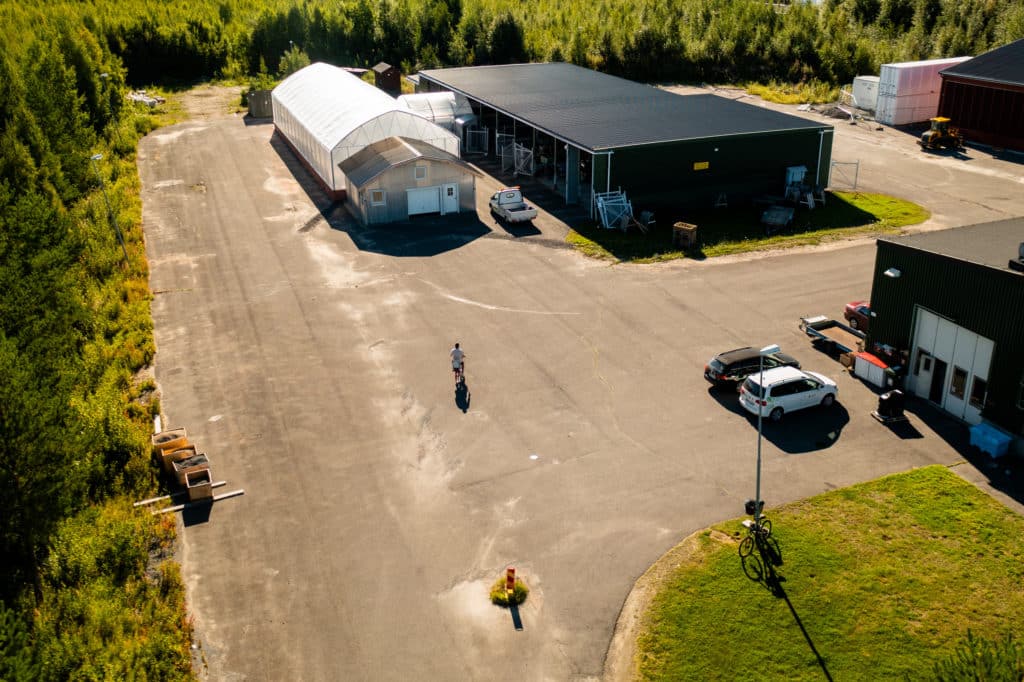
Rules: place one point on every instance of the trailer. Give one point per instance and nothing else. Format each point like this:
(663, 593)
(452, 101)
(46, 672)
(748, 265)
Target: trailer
(832, 335)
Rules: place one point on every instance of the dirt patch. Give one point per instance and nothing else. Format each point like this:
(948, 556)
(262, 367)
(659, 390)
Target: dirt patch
(205, 102)
(620, 661)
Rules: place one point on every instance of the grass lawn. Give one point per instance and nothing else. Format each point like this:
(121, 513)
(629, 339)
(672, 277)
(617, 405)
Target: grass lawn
(737, 230)
(883, 578)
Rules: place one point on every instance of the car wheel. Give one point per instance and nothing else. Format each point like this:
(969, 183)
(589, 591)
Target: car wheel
(828, 400)
(853, 322)
(776, 414)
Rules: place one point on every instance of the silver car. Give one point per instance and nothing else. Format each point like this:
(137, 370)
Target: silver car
(786, 389)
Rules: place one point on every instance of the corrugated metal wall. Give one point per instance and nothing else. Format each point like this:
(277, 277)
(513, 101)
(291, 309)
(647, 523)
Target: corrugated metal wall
(985, 114)
(741, 166)
(985, 300)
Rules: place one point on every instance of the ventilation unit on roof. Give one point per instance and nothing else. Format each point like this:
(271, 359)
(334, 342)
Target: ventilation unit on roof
(1018, 263)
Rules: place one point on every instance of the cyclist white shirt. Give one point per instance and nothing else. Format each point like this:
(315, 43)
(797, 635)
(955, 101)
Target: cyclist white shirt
(457, 358)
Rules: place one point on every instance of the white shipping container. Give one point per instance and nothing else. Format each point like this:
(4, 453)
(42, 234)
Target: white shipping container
(865, 92)
(896, 111)
(914, 78)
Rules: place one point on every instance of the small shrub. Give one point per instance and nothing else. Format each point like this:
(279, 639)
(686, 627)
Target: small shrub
(979, 658)
(500, 596)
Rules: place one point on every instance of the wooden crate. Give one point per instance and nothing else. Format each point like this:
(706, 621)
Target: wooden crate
(194, 462)
(169, 457)
(172, 439)
(199, 485)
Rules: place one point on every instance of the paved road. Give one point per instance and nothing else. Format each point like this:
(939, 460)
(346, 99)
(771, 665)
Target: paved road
(308, 359)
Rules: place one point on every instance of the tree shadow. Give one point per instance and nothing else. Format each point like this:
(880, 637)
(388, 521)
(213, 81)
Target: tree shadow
(762, 567)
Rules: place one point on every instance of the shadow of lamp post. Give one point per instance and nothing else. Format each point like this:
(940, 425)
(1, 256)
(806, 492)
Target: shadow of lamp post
(761, 404)
(106, 200)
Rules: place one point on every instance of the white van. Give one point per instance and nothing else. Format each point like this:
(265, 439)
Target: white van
(786, 389)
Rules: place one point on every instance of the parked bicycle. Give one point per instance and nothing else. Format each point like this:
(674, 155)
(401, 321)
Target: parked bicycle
(758, 532)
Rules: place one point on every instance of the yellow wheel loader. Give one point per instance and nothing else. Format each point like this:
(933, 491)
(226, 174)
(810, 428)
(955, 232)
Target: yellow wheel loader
(942, 135)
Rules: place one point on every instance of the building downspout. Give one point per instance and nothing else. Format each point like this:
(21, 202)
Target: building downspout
(821, 146)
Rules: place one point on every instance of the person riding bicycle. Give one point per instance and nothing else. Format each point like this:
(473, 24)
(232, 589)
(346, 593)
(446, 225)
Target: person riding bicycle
(458, 360)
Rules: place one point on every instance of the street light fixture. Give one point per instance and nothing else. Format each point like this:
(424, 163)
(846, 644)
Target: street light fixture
(767, 350)
(106, 200)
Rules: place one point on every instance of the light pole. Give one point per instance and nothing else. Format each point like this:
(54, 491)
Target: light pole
(106, 200)
(761, 404)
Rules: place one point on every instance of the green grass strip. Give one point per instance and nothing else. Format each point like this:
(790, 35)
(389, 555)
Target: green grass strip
(728, 231)
(883, 577)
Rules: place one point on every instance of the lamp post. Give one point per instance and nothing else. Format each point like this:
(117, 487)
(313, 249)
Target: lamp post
(110, 213)
(761, 404)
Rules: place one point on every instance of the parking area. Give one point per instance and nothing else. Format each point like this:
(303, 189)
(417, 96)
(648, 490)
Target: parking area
(309, 357)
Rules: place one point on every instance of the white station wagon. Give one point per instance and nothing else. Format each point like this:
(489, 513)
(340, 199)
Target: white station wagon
(786, 389)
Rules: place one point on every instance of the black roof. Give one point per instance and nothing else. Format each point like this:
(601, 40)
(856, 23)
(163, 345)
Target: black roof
(990, 244)
(595, 111)
(1002, 65)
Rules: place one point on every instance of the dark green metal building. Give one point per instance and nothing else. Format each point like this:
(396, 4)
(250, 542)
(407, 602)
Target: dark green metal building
(949, 307)
(584, 132)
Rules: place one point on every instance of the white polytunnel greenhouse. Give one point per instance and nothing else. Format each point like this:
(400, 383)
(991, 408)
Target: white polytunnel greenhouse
(449, 110)
(326, 114)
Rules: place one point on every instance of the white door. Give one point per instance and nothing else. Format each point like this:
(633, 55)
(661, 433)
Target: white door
(424, 200)
(449, 199)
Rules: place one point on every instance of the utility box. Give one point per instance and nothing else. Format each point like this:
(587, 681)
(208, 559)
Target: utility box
(260, 104)
(870, 369)
(684, 235)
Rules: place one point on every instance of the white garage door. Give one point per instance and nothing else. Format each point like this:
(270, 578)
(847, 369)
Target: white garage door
(424, 200)
(950, 366)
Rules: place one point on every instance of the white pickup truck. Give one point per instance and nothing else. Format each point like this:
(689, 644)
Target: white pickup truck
(507, 203)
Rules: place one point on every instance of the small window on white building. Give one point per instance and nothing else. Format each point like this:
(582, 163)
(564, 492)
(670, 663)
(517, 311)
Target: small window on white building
(421, 172)
(978, 390)
(378, 197)
(958, 385)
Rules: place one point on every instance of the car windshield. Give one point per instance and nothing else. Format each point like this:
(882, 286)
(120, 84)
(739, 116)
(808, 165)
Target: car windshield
(716, 365)
(752, 387)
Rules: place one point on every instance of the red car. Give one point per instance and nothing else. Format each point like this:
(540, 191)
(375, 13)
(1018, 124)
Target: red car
(858, 314)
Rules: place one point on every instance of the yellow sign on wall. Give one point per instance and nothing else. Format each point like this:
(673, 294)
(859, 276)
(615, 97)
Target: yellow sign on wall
(701, 165)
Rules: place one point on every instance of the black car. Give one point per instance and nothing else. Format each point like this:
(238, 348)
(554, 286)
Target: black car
(730, 368)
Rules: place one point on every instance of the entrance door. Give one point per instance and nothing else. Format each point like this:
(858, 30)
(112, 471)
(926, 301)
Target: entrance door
(449, 199)
(424, 200)
(935, 393)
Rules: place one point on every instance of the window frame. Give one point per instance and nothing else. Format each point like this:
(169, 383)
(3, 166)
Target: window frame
(960, 393)
(416, 173)
(383, 201)
(972, 397)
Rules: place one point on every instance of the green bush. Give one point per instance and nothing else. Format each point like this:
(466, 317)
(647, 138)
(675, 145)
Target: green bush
(983, 659)
(500, 596)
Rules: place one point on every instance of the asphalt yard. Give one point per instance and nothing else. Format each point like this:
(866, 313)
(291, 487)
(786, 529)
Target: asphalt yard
(309, 358)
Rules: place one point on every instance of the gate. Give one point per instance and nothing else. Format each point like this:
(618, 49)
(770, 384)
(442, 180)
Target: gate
(476, 141)
(523, 160)
(843, 175)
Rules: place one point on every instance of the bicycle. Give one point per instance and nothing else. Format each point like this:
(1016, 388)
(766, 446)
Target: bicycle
(758, 532)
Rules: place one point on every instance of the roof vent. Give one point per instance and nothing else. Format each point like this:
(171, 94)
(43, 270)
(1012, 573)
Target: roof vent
(1018, 264)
